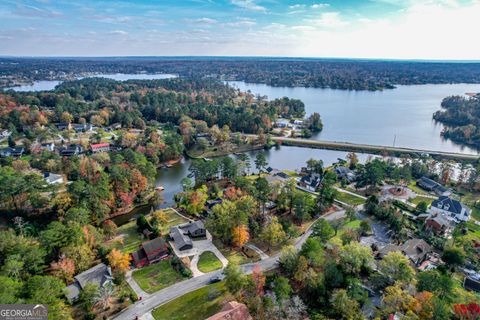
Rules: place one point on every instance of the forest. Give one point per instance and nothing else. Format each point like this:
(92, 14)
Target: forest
(462, 119)
(322, 73)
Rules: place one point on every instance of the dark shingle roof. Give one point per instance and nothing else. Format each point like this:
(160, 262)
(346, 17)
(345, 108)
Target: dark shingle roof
(98, 274)
(153, 245)
(453, 205)
(471, 284)
(179, 238)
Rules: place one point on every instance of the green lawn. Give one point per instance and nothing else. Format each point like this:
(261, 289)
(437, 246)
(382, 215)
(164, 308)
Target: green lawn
(157, 276)
(208, 262)
(413, 186)
(198, 304)
(349, 199)
(235, 256)
(129, 239)
(419, 199)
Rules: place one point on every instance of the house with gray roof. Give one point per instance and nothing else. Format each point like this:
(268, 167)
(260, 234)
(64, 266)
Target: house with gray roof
(181, 240)
(433, 186)
(101, 274)
(452, 209)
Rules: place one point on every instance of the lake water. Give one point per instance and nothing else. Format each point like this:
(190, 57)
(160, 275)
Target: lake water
(403, 114)
(51, 84)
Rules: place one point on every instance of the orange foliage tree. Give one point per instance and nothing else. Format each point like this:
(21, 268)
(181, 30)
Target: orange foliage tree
(120, 262)
(259, 279)
(64, 269)
(240, 235)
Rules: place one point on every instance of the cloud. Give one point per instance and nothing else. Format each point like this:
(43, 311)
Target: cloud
(319, 5)
(242, 22)
(297, 6)
(118, 33)
(207, 21)
(35, 12)
(111, 19)
(248, 4)
(330, 20)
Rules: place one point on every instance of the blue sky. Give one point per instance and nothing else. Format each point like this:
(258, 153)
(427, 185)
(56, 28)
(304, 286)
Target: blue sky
(360, 29)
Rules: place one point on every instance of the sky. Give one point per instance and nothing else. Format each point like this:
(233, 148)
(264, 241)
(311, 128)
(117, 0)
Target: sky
(385, 29)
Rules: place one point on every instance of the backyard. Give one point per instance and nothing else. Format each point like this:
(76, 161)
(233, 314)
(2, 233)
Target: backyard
(236, 256)
(208, 262)
(157, 276)
(349, 199)
(128, 239)
(198, 304)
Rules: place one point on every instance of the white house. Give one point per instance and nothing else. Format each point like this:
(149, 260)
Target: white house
(452, 209)
(53, 178)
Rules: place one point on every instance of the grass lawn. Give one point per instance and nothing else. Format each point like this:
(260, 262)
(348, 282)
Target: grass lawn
(198, 304)
(129, 239)
(419, 199)
(350, 199)
(157, 276)
(235, 256)
(413, 186)
(208, 262)
(476, 213)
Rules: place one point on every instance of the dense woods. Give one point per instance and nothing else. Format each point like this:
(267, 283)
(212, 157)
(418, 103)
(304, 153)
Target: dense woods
(332, 73)
(462, 117)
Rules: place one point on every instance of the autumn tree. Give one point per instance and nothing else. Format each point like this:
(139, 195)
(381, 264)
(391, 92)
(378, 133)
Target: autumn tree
(240, 235)
(258, 279)
(396, 267)
(109, 228)
(120, 262)
(64, 269)
(273, 234)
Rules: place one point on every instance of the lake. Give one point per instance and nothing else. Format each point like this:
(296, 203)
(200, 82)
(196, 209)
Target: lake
(45, 85)
(403, 114)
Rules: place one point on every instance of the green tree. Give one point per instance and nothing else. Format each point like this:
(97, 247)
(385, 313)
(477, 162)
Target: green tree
(10, 290)
(88, 296)
(453, 257)
(355, 258)
(273, 234)
(397, 267)
(323, 230)
(282, 288)
(260, 162)
(234, 278)
(344, 307)
(433, 281)
(422, 207)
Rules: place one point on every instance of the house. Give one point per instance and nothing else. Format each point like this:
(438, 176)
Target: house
(12, 152)
(433, 186)
(71, 150)
(452, 209)
(43, 147)
(182, 241)
(150, 252)
(232, 311)
(438, 224)
(53, 178)
(4, 134)
(63, 126)
(82, 127)
(310, 182)
(283, 124)
(298, 122)
(100, 147)
(194, 229)
(345, 173)
(417, 250)
(471, 284)
(101, 274)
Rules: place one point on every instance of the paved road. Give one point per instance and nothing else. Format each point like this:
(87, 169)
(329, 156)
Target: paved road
(179, 289)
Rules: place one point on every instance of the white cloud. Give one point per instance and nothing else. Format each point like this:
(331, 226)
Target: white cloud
(296, 6)
(330, 20)
(241, 22)
(319, 5)
(203, 21)
(248, 4)
(118, 33)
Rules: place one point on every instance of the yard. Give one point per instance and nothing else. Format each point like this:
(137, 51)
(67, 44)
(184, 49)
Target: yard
(419, 199)
(157, 276)
(128, 238)
(412, 185)
(208, 262)
(236, 256)
(349, 199)
(198, 304)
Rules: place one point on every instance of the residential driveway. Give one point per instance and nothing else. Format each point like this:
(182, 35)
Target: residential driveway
(262, 254)
(199, 246)
(134, 285)
(179, 289)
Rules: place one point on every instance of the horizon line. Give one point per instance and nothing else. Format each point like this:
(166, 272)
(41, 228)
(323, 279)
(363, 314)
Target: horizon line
(239, 57)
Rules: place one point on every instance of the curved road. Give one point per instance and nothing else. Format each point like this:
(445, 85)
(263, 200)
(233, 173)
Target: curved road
(179, 289)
